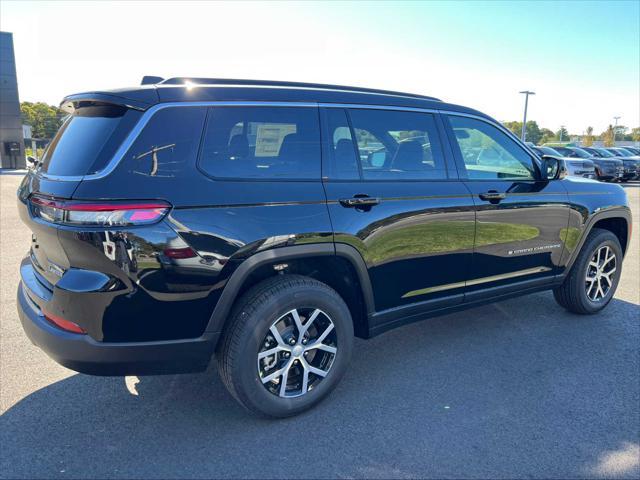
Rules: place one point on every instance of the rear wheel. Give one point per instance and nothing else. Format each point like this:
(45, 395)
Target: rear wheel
(287, 346)
(594, 277)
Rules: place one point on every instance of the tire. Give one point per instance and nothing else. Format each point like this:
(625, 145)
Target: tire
(574, 293)
(249, 332)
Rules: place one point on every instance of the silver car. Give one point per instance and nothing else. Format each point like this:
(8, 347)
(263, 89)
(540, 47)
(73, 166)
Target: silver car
(577, 167)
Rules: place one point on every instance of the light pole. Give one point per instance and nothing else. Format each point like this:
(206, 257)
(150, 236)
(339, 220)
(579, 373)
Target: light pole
(524, 122)
(615, 127)
(561, 130)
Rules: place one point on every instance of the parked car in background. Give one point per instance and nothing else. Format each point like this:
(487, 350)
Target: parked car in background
(602, 153)
(606, 168)
(634, 150)
(573, 166)
(631, 162)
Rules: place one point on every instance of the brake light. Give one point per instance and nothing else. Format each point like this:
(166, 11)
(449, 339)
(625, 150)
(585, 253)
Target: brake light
(63, 324)
(106, 214)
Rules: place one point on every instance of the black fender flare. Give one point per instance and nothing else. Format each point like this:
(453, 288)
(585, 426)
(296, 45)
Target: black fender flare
(242, 272)
(613, 212)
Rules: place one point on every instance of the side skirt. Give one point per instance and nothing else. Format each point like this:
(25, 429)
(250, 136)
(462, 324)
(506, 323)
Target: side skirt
(389, 319)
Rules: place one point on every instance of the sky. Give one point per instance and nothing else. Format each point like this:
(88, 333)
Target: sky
(581, 58)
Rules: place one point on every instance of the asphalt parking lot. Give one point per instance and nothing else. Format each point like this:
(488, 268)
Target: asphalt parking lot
(518, 389)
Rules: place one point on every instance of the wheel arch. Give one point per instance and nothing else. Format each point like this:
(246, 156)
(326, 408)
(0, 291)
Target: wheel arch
(617, 220)
(340, 266)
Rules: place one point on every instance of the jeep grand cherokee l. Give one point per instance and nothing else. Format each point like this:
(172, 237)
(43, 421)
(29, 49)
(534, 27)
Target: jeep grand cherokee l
(268, 223)
(608, 166)
(631, 162)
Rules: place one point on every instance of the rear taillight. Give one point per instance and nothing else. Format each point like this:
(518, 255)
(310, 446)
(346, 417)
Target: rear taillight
(98, 214)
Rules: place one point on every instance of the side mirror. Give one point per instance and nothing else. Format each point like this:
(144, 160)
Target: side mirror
(31, 162)
(552, 168)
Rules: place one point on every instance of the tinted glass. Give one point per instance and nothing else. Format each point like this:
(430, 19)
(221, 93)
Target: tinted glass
(87, 139)
(550, 151)
(565, 152)
(394, 145)
(342, 163)
(545, 151)
(615, 152)
(580, 152)
(262, 142)
(624, 152)
(605, 153)
(592, 151)
(488, 153)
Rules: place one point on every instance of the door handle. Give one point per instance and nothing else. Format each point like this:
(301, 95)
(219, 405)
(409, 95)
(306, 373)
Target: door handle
(357, 202)
(493, 196)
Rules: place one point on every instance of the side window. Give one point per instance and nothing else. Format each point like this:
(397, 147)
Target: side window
(396, 145)
(341, 150)
(488, 153)
(262, 143)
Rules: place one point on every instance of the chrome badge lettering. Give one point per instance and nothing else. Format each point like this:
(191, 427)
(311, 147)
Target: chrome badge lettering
(55, 269)
(522, 251)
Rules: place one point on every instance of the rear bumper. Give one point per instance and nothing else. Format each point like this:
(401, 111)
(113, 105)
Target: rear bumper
(83, 354)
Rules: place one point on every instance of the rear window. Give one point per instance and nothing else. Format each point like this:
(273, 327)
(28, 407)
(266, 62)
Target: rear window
(262, 143)
(88, 139)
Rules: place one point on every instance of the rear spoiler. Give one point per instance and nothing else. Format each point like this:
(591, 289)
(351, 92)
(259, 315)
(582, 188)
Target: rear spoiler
(135, 98)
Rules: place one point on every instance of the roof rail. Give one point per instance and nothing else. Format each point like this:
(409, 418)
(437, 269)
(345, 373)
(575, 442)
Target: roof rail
(150, 80)
(277, 83)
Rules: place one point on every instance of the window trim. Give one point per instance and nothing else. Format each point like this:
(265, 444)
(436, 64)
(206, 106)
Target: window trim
(210, 109)
(462, 168)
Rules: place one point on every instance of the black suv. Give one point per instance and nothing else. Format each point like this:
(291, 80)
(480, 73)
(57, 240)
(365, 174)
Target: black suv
(267, 223)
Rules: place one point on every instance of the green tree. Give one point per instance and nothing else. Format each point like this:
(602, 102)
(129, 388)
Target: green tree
(45, 120)
(533, 130)
(635, 134)
(534, 133)
(587, 141)
(515, 127)
(607, 137)
(562, 135)
(620, 132)
(546, 136)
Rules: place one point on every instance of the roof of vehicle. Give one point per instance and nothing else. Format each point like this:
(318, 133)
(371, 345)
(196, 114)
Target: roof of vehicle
(184, 89)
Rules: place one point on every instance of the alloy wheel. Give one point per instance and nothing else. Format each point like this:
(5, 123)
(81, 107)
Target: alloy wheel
(297, 352)
(598, 279)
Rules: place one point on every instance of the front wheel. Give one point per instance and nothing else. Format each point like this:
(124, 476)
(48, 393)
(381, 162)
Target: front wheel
(594, 277)
(287, 346)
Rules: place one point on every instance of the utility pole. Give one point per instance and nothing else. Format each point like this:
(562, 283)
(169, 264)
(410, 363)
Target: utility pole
(615, 128)
(524, 122)
(561, 130)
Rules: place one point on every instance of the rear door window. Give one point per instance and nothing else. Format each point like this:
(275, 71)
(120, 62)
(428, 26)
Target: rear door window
(397, 145)
(262, 143)
(88, 139)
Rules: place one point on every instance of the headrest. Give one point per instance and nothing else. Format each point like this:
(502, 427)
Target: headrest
(238, 147)
(408, 157)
